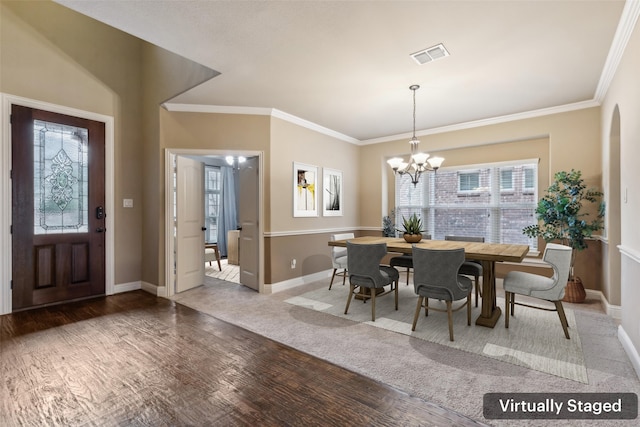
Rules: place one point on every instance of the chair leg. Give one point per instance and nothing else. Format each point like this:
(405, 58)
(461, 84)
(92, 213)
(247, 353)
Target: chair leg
(344, 276)
(373, 304)
(477, 286)
(513, 304)
(563, 318)
(417, 313)
(351, 289)
(426, 307)
(469, 309)
(507, 297)
(332, 277)
(397, 285)
(450, 318)
(218, 257)
(407, 276)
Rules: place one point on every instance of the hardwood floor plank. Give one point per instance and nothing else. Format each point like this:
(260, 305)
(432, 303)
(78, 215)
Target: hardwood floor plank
(134, 359)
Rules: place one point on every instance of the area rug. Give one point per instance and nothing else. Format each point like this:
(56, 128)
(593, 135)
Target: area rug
(534, 339)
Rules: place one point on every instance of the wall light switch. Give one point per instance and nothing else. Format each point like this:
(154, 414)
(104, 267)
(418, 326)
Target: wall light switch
(127, 203)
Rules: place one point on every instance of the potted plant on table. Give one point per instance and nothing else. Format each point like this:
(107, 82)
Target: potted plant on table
(412, 229)
(563, 218)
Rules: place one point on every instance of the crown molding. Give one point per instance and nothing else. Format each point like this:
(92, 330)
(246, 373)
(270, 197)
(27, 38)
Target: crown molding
(491, 121)
(257, 111)
(626, 26)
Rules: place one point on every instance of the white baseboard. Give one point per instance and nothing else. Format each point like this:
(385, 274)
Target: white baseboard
(613, 311)
(159, 291)
(298, 281)
(126, 287)
(630, 349)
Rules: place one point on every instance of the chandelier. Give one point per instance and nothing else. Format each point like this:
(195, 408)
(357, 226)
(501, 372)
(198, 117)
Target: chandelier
(418, 162)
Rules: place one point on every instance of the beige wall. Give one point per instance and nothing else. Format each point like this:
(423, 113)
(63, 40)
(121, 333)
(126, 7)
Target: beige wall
(624, 94)
(51, 54)
(567, 134)
(164, 75)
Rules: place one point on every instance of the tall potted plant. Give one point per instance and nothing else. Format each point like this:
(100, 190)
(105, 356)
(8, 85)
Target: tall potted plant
(562, 216)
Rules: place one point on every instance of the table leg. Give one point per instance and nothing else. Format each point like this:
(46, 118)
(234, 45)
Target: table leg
(490, 311)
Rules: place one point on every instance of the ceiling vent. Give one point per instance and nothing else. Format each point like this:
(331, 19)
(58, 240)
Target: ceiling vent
(430, 54)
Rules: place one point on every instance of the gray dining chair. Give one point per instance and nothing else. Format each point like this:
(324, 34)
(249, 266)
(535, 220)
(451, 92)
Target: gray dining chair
(366, 273)
(541, 287)
(435, 275)
(339, 257)
(406, 260)
(470, 267)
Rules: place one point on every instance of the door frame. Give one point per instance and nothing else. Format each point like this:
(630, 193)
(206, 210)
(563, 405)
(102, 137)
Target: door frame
(7, 101)
(170, 155)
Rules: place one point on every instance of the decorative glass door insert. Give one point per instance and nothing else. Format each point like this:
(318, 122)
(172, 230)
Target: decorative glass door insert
(61, 185)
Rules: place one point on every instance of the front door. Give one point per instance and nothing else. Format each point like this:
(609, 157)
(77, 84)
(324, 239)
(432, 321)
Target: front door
(58, 198)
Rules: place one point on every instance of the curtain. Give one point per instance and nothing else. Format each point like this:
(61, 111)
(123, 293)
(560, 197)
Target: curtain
(228, 213)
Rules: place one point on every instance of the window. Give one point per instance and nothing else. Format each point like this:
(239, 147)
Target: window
(506, 179)
(468, 181)
(493, 201)
(529, 180)
(211, 202)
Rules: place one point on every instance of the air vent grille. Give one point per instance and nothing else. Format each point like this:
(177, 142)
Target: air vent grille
(430, 54)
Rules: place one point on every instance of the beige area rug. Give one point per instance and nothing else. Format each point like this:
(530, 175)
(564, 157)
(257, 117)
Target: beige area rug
(534, 339)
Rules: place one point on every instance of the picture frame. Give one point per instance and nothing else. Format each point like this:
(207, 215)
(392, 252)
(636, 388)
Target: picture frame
(332, 192)
(305, 190)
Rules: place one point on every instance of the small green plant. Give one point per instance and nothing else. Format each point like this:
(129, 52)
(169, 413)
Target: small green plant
(388, 227)
(413, 225)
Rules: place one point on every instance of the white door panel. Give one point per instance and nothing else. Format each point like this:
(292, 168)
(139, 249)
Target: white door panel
(248, 204)
(189, 223)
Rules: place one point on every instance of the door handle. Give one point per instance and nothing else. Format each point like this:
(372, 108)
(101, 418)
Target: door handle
(100, 230)
(204, 228)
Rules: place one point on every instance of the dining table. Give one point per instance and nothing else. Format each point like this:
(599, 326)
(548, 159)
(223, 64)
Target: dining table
(487, 253)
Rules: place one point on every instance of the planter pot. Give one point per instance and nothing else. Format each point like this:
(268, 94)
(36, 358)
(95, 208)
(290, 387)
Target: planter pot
(412, 238)
(574, 292)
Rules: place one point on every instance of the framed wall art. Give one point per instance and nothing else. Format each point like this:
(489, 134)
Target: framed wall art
(332, 192)
(305, 186)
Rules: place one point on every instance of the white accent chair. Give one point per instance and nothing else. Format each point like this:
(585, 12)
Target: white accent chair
(339, 257)
(546, 288)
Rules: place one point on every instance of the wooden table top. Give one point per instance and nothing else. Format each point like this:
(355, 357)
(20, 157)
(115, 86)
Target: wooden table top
(473, 250)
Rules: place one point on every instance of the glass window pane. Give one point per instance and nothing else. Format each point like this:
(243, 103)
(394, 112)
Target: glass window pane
(60, 178)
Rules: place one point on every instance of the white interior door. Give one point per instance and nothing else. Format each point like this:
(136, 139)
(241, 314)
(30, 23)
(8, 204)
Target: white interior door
(248, 215)
(189, 224)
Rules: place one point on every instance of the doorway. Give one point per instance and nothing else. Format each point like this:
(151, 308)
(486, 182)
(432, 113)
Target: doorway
(251, 213)
(6, 256)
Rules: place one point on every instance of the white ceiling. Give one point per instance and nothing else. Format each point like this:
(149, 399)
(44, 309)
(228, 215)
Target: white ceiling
(346, 65)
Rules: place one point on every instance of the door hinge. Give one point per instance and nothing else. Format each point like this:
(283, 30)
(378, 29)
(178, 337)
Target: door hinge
(10, 118)
(11, 174)
(11, 229)
(12, 285)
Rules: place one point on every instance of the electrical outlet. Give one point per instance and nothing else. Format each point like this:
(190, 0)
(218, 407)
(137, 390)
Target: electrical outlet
(127, 203)
(293, 263)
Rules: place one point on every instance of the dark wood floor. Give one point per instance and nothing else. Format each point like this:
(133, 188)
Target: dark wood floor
(136, 360)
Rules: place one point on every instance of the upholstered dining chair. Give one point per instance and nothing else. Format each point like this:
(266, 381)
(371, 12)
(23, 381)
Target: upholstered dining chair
(470, 267)
(339, 257)
(435, 275)
(365, 272)
(405, 260)
(541, 287)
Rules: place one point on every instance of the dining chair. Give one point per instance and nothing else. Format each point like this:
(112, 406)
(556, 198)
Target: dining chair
(435, 275)
(405, 260)
(470, 267)
(366, 273)
(541, 287)
(339, 257)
